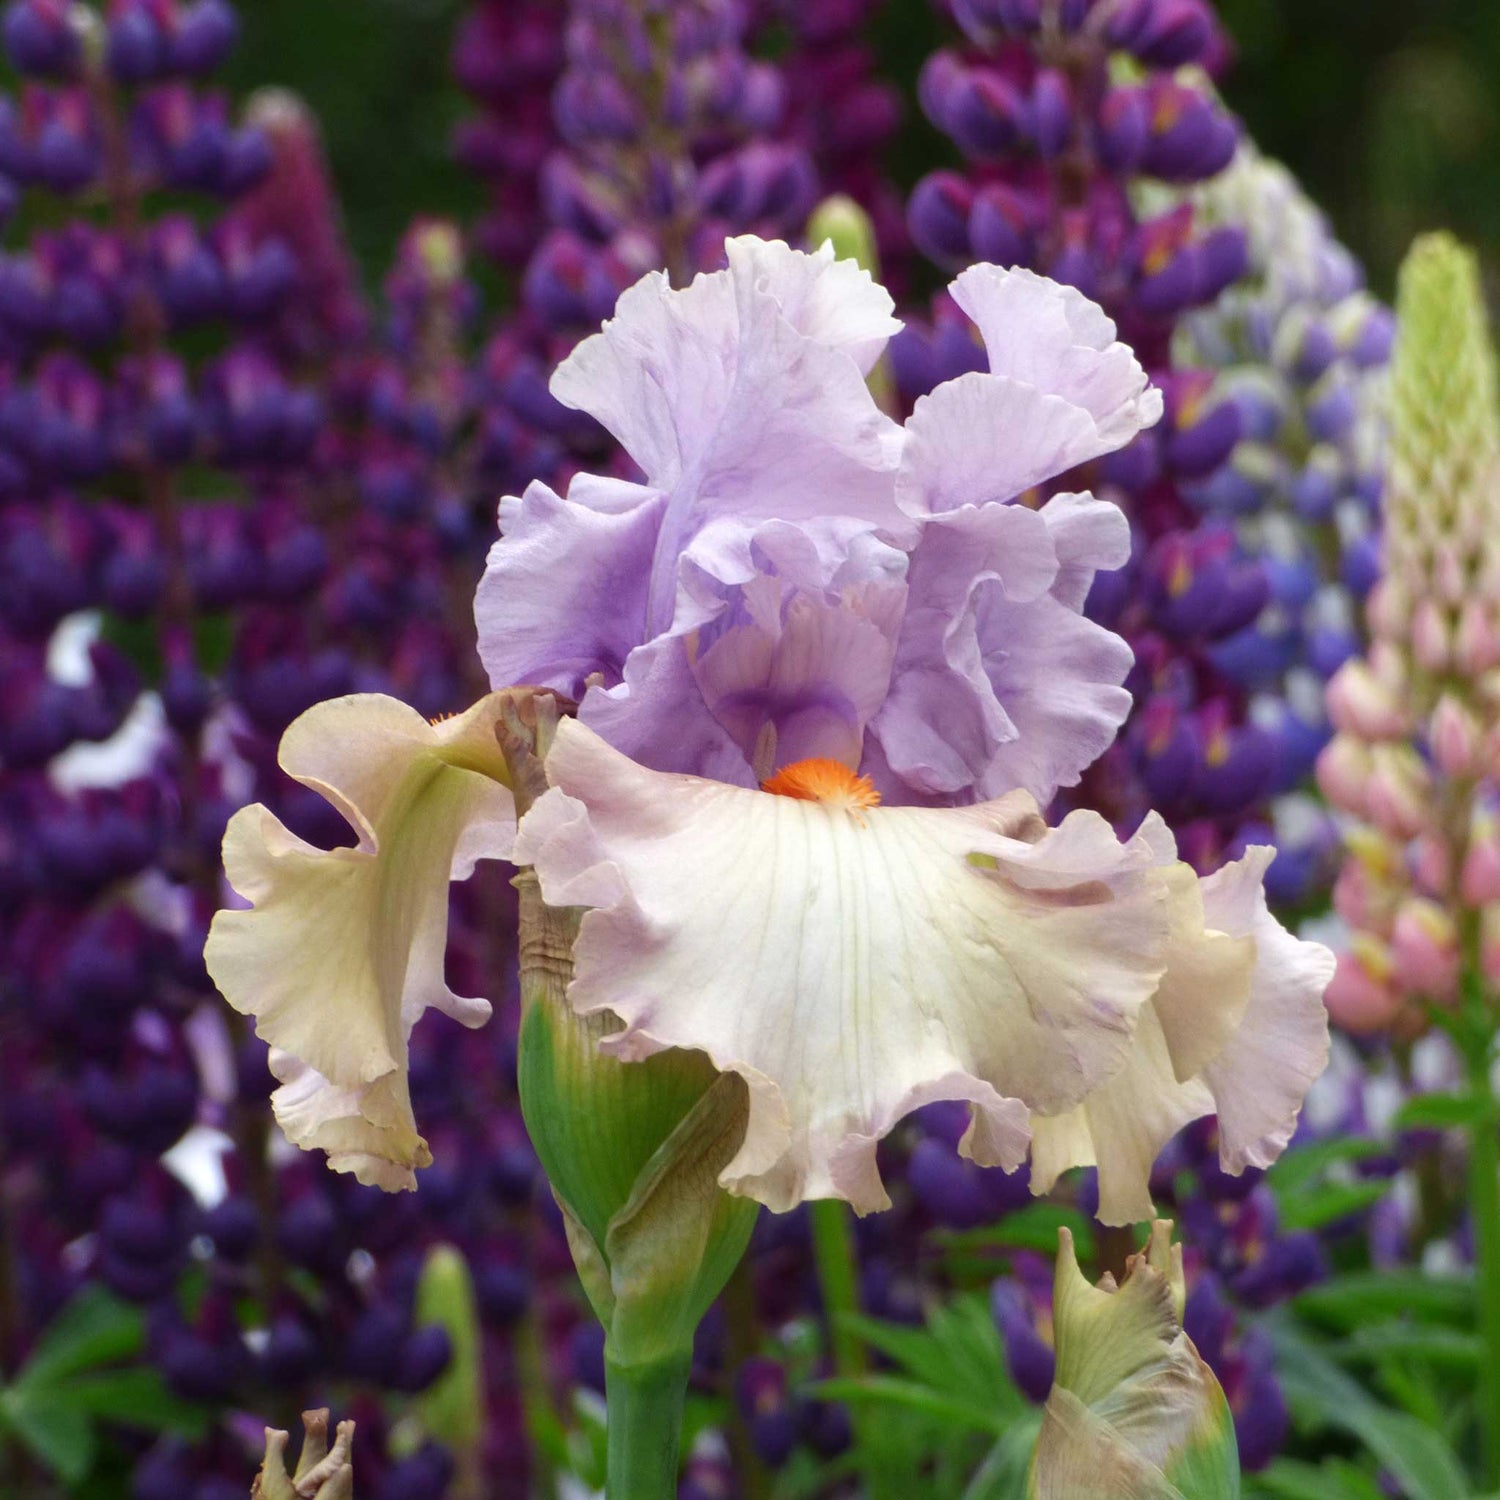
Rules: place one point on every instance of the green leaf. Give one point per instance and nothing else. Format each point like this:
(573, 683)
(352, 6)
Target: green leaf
(953, 1385)
(1331, 1202)
(1334, 1479)
(913, 1348)
(1303, 1167)
(1443, 1348)
(62, 1391)
(60, 1436)
(1031, 1228)
(1323, 1396)
(959, 1352)
(94, 1328)
(1443, 1112)
(136, 1397)
(1305, 1195)
(1362, 1299)
(1002, 1475)
(893, 1390)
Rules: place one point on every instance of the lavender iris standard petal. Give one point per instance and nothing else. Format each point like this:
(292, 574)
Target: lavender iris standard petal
(798, 569)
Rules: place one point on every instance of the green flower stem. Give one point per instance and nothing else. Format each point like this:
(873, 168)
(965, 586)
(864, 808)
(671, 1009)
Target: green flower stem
(643, 1404)
(1484, 1211)
(743, 1333)
(838, 1279)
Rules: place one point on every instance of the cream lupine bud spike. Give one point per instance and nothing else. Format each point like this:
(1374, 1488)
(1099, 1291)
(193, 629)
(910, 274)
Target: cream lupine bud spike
(1416, 719)
(1134, 1413)
(1441, 594)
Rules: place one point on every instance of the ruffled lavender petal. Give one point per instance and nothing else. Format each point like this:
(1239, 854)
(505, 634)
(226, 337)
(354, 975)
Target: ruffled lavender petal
(981, 439)
(834, 302)
(657, 716)
(1051, 336)
(734, 411)
(999, 680)
(801, 676)
(1058, 675)
(564, 592)
(942, 723)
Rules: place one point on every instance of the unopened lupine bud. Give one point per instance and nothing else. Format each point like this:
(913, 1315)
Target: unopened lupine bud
(1431, 636)
(1388, 609)
(1456, 738)
(1359, 704)
(1376, 853)
(1445, 416)
(1424, 950)
(1479, 880)
(1398, 792)
(1343, 772)
(1476, 646)
(1432, 862)
(1366, 899)
(1361, 997)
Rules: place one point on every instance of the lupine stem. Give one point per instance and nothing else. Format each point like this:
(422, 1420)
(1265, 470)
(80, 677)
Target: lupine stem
(644, 1406)
(1484, 1216)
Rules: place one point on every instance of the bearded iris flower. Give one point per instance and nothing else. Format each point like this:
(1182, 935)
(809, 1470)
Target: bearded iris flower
(829, 671)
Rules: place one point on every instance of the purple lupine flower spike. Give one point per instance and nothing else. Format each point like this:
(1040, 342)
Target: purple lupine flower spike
(1053, 144)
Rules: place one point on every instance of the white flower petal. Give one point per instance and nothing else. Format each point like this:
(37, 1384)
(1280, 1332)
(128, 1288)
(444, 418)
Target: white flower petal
(342, 950)
(1121, 1127)
(1281, 1047)
(368, 1131)
(1236, 1027)
(848, 964)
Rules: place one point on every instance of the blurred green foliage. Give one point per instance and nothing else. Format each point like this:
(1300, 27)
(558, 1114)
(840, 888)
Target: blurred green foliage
(1389, 110)
(376, 73)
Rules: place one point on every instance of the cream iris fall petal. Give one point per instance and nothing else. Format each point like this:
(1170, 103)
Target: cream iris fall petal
(342, 950)
(1237, 1027)
(850, 961)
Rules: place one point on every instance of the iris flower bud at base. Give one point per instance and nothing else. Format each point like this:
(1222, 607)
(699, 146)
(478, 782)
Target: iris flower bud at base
(322, 1473)
(1134, 1410)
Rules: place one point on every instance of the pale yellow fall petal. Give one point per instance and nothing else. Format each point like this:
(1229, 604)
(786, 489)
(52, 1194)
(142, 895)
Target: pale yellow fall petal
(342, 950)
